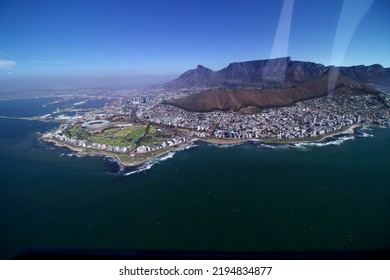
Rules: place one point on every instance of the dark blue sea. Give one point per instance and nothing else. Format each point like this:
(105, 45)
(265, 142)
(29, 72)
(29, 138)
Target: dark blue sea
(251, 197)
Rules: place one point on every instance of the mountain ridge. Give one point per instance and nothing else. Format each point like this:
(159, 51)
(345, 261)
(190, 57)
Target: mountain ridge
(280, 72)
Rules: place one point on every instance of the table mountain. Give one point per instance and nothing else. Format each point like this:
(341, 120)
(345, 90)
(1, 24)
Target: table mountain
(273, 73)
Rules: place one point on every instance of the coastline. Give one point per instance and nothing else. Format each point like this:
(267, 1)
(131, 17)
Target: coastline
(347, 131)
(123, 163)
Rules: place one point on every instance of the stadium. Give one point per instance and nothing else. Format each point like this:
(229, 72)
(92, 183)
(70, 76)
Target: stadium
(96, 126)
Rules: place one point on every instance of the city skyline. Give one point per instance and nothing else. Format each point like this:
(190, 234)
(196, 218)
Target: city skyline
(153, 41)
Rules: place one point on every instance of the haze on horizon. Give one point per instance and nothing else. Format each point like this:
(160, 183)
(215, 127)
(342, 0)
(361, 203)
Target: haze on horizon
(122, 43)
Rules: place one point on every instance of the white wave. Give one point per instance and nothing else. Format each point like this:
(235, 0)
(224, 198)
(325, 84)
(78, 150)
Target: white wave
(336, 142)
(224, 146)
(366, 135)
(274, 146)
(302, 146)
(140, 169)
(72, 155)
(148, 165)
(167, 156)
(130, 173)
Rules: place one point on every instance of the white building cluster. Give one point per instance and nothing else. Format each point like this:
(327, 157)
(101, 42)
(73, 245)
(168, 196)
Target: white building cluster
(169, 143)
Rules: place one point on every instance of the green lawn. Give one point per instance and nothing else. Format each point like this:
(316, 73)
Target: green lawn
(122, 133)
(135, 134)
(153, 129)
(121, 137)
(111, 131)
(152, 139)
(77, 132)
(109, 141)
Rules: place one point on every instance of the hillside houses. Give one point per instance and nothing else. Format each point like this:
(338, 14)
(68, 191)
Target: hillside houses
(305, 119)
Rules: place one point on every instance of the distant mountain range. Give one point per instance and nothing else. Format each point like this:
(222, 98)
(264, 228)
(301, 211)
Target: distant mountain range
(271, 73)
(250, 86)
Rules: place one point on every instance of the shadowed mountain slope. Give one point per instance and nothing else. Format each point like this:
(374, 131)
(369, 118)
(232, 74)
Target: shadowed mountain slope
(240, 99)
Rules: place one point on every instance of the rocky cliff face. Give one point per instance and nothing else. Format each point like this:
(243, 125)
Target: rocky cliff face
(261, 71)
(299, 71)
(199, 77)
(370, 74)
(280, 72)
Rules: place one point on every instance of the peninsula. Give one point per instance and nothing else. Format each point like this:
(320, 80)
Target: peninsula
(311, 103)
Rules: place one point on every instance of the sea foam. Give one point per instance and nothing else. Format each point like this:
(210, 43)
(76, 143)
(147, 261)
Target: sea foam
(366, 135)
(305, 146)
(338, 141)
(223, 146)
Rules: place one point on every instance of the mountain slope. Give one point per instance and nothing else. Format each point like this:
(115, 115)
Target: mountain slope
(234, 100)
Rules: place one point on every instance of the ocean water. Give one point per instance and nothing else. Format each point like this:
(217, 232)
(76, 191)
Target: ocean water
(250, 197)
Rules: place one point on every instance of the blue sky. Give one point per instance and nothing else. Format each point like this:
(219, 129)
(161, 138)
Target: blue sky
(156, 38)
